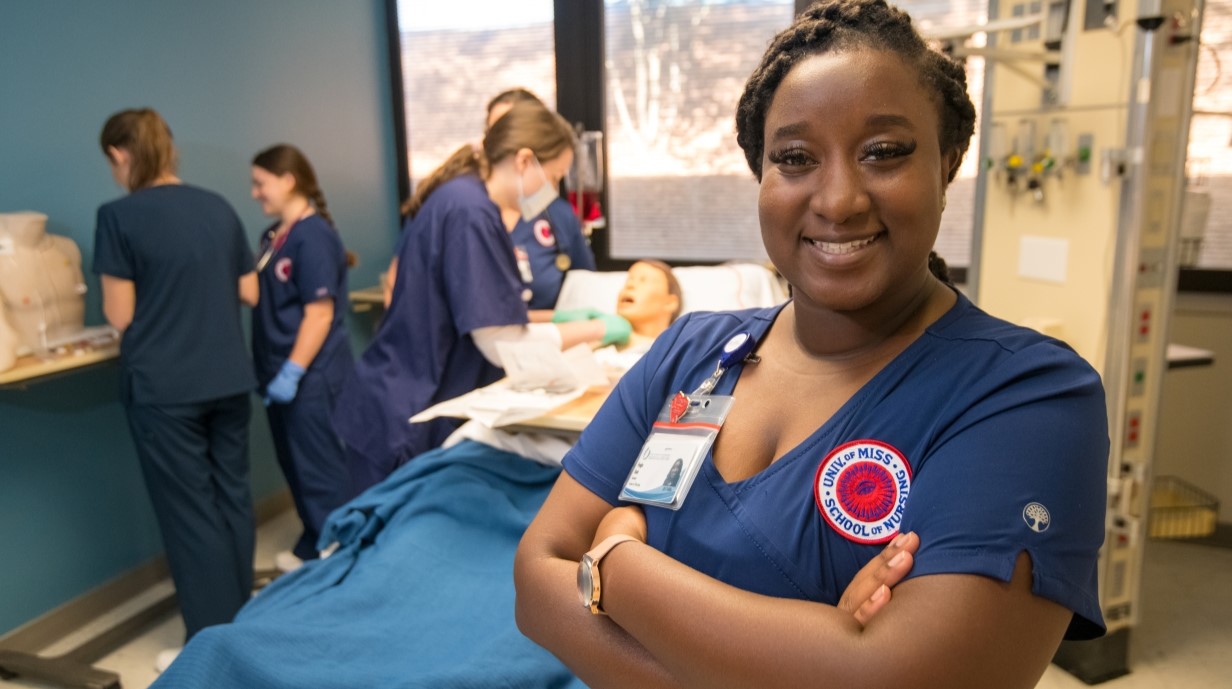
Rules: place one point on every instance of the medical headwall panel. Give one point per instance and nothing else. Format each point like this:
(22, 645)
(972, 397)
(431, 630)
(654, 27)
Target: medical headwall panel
(1082, 167)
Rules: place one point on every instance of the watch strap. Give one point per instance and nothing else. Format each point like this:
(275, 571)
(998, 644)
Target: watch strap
(594, 556)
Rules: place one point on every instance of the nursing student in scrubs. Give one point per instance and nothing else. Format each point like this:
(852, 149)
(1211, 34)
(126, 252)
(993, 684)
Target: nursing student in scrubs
(546, 247)
(299, 339)
(457, 292)
(549, 245)
(175, 267)
(878, 406)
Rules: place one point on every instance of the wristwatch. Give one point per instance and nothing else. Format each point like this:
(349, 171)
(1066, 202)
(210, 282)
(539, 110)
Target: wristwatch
(589, 589)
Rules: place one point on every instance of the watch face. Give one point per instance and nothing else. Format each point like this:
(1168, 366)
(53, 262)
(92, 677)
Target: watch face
(586, 585)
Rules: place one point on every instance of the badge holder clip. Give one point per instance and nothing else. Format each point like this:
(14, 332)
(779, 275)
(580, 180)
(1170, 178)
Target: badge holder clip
(682, 436)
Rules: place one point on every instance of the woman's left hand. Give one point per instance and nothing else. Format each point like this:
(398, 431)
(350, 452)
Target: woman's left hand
(628, 520)
(869, 591)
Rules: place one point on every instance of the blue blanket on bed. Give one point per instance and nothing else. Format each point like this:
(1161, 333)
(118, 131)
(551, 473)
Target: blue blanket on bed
(419, 593)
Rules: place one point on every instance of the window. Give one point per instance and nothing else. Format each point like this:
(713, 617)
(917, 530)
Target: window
(958, 220)
(678, 185)
(457, 55)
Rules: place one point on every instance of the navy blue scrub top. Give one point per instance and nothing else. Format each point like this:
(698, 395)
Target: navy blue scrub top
(307, 266)
(184, 248)
(984, 438)
(456, 273)
(556, 231)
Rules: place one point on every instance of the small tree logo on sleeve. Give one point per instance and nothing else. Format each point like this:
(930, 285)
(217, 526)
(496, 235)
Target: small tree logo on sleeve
(1036, 516)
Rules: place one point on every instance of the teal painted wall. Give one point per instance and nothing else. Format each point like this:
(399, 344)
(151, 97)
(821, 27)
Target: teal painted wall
(231, 77)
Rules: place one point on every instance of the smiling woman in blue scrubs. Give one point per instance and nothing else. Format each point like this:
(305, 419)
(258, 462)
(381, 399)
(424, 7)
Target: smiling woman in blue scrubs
(878, 404)
(299, 339)
(175, 265)
(457, 292)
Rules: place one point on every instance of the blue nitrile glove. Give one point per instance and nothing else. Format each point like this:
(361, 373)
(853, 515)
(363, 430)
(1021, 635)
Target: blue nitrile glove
(616, 330)
(571, 315)
(283, 387)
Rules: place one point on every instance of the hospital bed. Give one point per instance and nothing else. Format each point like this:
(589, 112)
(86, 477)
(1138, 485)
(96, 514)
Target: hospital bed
(418, 591)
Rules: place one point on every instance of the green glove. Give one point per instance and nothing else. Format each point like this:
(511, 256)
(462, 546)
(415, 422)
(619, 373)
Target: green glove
(616, 330)
(571, 315)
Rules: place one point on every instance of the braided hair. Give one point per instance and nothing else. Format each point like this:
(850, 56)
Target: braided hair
(844, 25)
(285, 158)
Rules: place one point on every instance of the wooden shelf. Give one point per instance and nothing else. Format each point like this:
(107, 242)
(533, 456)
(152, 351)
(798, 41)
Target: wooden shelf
(31, 369)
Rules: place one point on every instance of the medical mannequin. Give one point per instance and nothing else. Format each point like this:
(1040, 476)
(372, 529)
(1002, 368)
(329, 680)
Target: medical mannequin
(8, 341)
(650, 301)
(41, 284)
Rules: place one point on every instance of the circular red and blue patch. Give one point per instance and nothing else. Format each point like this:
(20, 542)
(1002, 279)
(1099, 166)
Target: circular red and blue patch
(282, 269)
(861, 488)
(543, 233)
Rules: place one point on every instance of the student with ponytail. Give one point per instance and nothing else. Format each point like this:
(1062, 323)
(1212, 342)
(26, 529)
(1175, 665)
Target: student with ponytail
(175, 266)
(457, 292)
(299, 340)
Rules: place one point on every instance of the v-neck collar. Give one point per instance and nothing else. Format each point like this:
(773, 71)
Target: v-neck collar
(727, 384)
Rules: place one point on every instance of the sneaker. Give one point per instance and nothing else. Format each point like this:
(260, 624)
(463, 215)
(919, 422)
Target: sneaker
(165, 658)
(286, 561)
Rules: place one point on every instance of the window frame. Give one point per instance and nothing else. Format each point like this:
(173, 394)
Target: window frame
(581, 98)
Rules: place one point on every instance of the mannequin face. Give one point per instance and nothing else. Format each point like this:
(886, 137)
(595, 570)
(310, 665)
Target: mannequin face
(272, 191)
(645, 301)
(121, 166)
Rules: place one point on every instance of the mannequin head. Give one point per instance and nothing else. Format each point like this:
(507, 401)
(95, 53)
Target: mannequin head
(139, 148)
(651, 298)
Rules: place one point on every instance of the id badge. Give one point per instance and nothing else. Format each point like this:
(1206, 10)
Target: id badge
(524, 269)
(679, 441)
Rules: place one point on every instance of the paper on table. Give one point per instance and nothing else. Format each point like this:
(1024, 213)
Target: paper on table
(538, 379)
(498, 405)
(540, 366)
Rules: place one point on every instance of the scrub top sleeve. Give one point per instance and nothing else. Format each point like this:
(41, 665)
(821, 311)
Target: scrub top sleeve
(1022, 469)
(605, 453)
(316, 267)
(112, 254)
(480, 274)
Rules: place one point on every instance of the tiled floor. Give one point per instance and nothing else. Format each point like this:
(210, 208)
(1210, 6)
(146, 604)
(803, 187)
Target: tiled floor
(1184, 640)
(134, 662)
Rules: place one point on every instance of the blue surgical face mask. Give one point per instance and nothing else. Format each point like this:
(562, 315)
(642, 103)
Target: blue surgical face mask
(539, 201)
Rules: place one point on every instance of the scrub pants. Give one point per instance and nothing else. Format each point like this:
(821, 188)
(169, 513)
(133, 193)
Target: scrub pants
(311, 456)
(195, 461)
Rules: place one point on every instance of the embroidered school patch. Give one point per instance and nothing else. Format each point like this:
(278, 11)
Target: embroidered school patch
(282, 269)
(861, 488)
(543, 233)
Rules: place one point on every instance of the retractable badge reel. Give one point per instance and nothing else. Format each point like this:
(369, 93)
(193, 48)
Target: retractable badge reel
(682, 435)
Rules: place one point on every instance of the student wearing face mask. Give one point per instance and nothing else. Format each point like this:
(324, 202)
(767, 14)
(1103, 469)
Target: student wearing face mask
(550, 244)
(457, 292)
